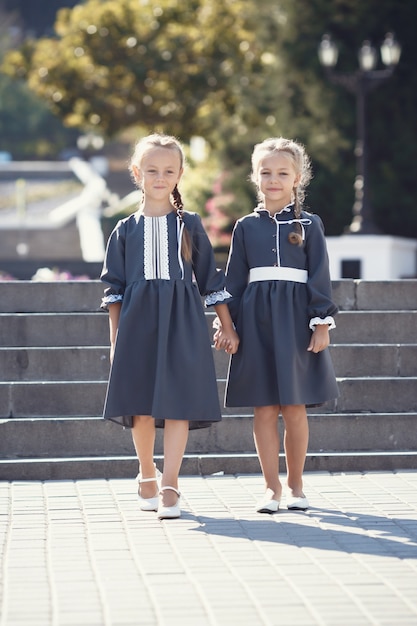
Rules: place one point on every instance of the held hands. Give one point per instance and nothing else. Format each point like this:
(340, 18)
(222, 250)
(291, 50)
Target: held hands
(320, 338)
(227, 340)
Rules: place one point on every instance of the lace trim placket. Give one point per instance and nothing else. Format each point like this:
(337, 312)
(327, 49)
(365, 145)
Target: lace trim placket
(156, 257)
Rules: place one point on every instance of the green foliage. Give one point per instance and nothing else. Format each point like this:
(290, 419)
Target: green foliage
(27, 128)
(197, 185)
(236, 72)
(117, 63)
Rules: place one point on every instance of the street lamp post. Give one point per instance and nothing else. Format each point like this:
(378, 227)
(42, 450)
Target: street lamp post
(360, 82)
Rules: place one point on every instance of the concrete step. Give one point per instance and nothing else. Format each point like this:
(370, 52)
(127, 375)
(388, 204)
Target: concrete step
(74, 329)
(109, 467)
(92, 362)
(28, 296)
(372, 327)
(54, 329)
(25, 296)
(374, 359)
(383, 295)
(74, 398)
(85, 437)
(353, 360)
(54, 364)
(54, 368)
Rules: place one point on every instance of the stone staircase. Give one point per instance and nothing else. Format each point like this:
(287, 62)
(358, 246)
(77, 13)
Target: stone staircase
(54, 367)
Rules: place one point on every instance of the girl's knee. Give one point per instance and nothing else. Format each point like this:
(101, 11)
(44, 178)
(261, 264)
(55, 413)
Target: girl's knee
(142, 420)
(266, 414)
(294, 412)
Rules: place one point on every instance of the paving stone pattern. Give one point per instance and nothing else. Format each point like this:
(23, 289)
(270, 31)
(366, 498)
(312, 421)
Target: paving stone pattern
(80, 553)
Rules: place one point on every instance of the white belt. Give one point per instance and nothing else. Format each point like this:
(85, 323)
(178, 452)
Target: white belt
(278, 273)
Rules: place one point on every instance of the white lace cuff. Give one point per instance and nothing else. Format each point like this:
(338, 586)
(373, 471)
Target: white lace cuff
(217, 297)
(110, 300)
(315, 321)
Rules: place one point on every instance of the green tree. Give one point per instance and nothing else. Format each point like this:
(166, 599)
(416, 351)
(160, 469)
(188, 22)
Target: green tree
(209, 67)
(27, 126)
(322, 115)
(391, 119)
(237, 71)
(115, 63)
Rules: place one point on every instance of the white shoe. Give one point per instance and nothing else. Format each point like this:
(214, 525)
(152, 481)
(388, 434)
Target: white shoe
(148, 504)
(267, 506)
(297, 503)
(169, 512)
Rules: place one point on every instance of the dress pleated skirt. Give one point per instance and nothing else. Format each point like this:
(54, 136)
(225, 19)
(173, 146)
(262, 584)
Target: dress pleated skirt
(163, 364)
(272, 365)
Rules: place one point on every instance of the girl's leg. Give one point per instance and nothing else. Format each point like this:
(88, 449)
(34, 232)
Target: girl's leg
(266, 437)
(295, 444)
(175, 441)
(143, 434)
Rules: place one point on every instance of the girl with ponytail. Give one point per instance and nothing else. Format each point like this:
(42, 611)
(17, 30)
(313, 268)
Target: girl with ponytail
(278, 276)
(162, 370)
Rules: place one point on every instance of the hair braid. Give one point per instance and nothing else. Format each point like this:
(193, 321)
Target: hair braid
(177, 200)
(296, 236)
(186, 239)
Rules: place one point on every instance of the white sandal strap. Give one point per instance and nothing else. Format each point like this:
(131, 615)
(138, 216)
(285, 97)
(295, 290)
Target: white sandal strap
(147, 480)
(171, 489)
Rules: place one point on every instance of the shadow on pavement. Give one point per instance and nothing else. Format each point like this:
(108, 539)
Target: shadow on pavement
(347, 532)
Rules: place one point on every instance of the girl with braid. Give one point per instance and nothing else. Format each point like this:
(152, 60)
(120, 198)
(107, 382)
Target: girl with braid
(278, 276)
(162, 369)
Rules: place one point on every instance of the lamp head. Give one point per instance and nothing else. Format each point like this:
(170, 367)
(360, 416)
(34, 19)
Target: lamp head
(367, 57)
(390, 50)
(328, 52)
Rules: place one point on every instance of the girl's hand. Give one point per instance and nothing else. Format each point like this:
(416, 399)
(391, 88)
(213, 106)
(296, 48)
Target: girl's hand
(320, 338)
(226, 340)
(216, 338)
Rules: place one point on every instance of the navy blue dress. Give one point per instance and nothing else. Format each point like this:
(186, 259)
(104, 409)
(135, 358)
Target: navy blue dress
(272, 310)
(163, 364)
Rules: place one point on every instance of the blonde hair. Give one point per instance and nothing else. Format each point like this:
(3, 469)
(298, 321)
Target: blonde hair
(302, 167)
(157, 140)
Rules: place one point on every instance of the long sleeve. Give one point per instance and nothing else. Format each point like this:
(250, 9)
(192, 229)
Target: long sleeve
(237, 270)
(113, 272)
(319, 284)
(210, 279)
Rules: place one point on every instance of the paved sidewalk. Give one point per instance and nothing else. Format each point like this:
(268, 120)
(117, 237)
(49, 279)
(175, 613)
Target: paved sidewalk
(80, 553)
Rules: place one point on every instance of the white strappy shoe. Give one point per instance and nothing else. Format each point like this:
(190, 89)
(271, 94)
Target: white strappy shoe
(148, 504)
(169, 512)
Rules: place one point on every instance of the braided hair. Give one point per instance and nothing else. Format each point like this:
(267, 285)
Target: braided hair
(302, 166)
(158, 140)
(186, 248)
